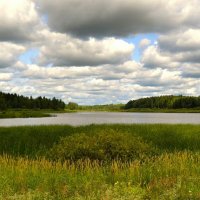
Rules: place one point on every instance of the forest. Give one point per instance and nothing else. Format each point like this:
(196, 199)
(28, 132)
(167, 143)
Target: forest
(14, 101)
(165, 102)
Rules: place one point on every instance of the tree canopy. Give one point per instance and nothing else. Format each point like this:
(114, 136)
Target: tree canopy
(14, 101)
(165, 102)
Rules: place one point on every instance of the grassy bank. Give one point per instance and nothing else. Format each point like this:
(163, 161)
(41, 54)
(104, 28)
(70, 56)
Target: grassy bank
(145, 110)
(105, 108)
(29, 113)
(120, 108)
(23, 114)
(100, 162)
(159, 110)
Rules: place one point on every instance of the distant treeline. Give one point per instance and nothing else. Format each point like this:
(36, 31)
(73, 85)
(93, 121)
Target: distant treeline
(14, 101)
(175, 102)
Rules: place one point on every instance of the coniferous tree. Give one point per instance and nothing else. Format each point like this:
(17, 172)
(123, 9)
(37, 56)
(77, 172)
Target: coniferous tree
(14, 101)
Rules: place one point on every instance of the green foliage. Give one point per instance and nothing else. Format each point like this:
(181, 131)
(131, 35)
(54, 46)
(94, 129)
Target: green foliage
(13, 101)
(28, 141)
(72, 106)
(174, 173)
(165, 102)
(167, 176)
(23, 114)
(103, 146)
(3, 105)
(187, 102)
(106, 107)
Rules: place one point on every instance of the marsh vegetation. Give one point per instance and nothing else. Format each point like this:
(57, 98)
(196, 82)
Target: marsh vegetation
(100, 162)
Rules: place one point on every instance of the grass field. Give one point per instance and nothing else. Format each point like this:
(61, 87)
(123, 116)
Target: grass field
(23, 114)
(100, 162)
(29, 113)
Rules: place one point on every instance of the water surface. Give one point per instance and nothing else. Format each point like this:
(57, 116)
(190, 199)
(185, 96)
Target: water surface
(85, 118)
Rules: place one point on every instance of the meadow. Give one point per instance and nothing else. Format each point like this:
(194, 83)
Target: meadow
(30, 113)
(100, 162)
(23, 114)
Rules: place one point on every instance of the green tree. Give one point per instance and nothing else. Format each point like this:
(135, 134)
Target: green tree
(3, 105)
(72, 106)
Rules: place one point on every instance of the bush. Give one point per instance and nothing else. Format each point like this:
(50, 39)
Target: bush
(72, 106)
(103, 146)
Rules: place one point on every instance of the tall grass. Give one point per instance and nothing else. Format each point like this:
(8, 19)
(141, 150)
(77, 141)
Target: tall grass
(169, 176)
(170, 172)
(30, 140)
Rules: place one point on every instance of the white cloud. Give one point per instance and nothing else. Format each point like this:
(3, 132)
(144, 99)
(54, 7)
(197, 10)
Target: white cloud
(5, 76)
(180, 41)
(64, 50)
(18, 18)
(174, 50)
(144, 43)
(119, 18)
(9, 53)
(153, 58)
(91, 63)
(109, 83)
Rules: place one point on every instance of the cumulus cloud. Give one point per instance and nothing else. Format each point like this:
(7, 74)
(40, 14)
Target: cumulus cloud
(118, 18)
(122, 82)
(5, 76)
(17, 20)
(9, 53)
(81, 57)
(180, 41)
(174, 50)
(153, 58)
(144, 43)
(64, 50)
(189, 70)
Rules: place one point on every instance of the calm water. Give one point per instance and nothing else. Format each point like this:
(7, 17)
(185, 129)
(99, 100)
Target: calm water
(106, 117)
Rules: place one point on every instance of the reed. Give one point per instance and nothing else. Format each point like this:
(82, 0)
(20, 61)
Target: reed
(168, 176)
(168, 170)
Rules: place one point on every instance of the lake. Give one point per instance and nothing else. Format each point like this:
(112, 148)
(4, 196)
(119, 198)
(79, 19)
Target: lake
(85, 118)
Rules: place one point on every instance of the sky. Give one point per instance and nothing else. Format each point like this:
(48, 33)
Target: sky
(99, 51)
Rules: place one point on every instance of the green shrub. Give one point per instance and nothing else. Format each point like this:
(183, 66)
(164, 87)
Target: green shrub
(102, 146)
(72, 106)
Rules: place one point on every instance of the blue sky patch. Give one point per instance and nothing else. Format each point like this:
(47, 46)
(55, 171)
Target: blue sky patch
(29, 56)
(136, 41)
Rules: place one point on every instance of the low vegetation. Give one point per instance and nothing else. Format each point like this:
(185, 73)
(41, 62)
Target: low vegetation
(101, 146)
(23, 113)
(106, 107)
(102, 162)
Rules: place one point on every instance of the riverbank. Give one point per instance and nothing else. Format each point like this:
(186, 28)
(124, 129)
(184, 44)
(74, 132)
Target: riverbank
(120, 108)
(23, 114)
(30, 113)
(159, 110)
(64, 162)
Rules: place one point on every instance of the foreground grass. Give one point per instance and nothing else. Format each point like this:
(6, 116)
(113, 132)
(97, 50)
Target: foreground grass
(170, 172)
(29, 140)
(169, 176)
